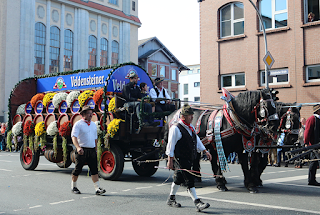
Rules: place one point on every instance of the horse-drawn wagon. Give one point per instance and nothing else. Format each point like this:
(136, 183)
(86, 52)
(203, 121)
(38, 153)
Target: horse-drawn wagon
(43, 109)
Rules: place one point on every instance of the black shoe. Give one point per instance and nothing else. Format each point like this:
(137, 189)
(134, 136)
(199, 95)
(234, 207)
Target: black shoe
(172, 202)
(100, 191)
(75, 191)
(314, 183)
(286, 165)
(200, 205)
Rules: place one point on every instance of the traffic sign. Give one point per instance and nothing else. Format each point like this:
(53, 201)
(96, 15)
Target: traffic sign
(268, 60)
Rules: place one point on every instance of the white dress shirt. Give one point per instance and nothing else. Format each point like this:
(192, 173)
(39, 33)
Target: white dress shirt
(153, 94)
(86, 134)
(175, 135)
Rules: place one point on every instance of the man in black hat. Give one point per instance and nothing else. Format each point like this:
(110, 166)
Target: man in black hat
(161, 97)
(311, 137)
(132, 94)
(84, 137)
(182, 148)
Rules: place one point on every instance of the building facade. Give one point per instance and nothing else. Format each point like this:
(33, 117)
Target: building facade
(48, 36)
(189, 89)
(232, 48)
(158, 61)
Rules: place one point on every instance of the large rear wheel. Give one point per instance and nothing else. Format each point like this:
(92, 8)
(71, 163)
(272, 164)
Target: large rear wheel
(29, 160)
(145, 169)
(111, 163)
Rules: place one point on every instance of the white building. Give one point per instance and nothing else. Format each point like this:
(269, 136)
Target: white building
(47, 36)
(189, 89)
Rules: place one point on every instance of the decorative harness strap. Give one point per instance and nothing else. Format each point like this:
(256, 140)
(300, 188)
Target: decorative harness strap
(199, 121)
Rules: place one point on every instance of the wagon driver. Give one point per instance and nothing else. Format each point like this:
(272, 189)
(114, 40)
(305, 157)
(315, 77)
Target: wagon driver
(84, 138)
(182, 148)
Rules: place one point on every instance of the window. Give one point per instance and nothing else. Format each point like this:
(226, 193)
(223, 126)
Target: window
(185, 89)
(115, 53)
(104, 52)
(154, 70)
(196, 99)
(173, 95)
(133, 5)
(92, 53)
(39, 48)
(198, 71)
(54, 49)
(113, 2)
(234, 80)
(196, 84)
(174, 75)
(274, 13)
(232, 20)
(312, 8)
(313, 73)
(190, 71)
(185, 99)
(162, 71)
(68, 51)
(277, 76)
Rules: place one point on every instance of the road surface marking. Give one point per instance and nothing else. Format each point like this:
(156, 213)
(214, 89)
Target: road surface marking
(37, 206)
(113, 192)
(87, 197)
(299, 185)
(42, 173)
(2, 212)
(7, 170)
(159, 185)
(27, 175)
(126, 190)
(55, 203)
(5, 161)
(139, 188)
(18, 209)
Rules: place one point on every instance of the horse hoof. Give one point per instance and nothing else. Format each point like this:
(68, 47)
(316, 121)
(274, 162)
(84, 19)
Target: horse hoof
(253, 190)
(222, 188)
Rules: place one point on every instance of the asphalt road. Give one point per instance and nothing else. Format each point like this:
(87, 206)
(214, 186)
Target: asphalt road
(47, 190)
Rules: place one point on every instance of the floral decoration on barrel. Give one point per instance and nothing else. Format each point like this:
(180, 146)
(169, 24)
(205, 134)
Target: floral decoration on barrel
(16, 131)
(100, 141)
(71, 97)
(52, 130)
(84, 96)
(35, 98)
(112, 130)
(112, 105)
(21, 109)
(40, 132)
(65, 131)
(28, 131)
(47, 98)
(98, 96)
(58, 98)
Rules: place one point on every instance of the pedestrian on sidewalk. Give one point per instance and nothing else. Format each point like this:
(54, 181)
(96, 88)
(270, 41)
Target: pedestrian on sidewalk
(84, 137)
(182, 148)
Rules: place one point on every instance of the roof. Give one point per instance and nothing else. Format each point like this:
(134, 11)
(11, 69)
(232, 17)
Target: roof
(163, 49)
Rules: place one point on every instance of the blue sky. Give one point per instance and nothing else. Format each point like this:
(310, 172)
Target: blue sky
(175, 23)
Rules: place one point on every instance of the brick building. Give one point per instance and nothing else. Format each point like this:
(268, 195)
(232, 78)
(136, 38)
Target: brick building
(232, 49)
(158, 61)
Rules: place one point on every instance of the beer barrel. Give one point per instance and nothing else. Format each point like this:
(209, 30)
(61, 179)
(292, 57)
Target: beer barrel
(50, 107)
(63, 107)
(27, 117)
(95, 117)
(101, 106)
(91, 103)
(75, 106)
(109, 118)
(38, 118)
(73, 156)
(49, 118)
(75, 118)
(28, 109)
(38, 109)
(49, 154)
(17, 118)
(62, 119)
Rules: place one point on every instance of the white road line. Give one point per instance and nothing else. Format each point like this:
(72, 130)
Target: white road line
(113, 192)
(126, 190)
(262, 205)
(27, 175)
(286, 179)
(47, 164)
(299, 185)
(159, 185)
(6, 161)
(55, 203)
(37, 206)
(7, 170)
(88, 197)
(236, 176)
(18, 209)
(139, 188)
(42, 173)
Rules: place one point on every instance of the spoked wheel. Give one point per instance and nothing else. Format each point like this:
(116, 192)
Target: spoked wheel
(111, 163)
(145, 169)
(66, 164)
(29, 160)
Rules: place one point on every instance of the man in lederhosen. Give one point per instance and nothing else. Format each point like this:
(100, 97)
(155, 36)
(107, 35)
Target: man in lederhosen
(311, 137)
(182, 148)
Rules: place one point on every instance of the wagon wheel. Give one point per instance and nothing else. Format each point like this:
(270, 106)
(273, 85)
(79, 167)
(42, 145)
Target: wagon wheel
(29, 160)
(68, 162)
(145, 169)
(111, 163)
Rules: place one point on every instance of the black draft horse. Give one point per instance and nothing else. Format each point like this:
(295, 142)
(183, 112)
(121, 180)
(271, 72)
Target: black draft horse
(244, 105)
(289, 125)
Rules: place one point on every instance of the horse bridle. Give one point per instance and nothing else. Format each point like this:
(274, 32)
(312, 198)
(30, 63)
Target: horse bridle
(288, 124)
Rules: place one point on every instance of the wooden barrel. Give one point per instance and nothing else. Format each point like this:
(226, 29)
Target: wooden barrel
(91, 103)
(27, 117)
(109, 118)
(50, 107)
(49, 154)
(38, 118)
(17, 118)
(75, 106)
(50, 118)
(75, 118)
(63, 107)
(101, 106)
(73, 156)
(62, 119)
(38, 109)
(28, 109)
(95, 117)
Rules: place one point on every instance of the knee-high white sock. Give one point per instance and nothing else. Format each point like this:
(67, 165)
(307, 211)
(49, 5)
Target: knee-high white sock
(96, 185)
(73, 184)
(192, 193)
(174, 189)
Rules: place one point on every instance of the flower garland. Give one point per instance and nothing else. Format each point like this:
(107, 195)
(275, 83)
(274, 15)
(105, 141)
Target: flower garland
(65, 131)
(99, 144)
(28, 131)
(9, 140)
(112, 105)
(72, 96)
(57, 99)
(17, 129)
(21, 109)
(40, 132)
(113, 127)
(47, 98)
(52, 130)
(97, 95)
(35, 98)
(84, 96)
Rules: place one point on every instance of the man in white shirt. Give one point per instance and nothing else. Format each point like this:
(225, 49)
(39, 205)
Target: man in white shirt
(161, 97)
(182, 148)
(84, 137)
